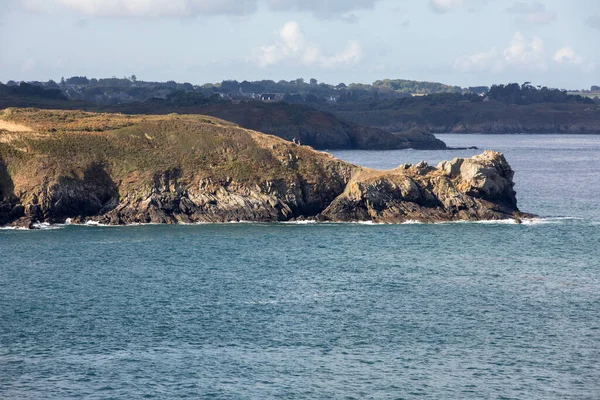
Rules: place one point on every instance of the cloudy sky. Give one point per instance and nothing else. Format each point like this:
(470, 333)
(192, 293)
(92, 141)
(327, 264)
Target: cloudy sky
(461, 42)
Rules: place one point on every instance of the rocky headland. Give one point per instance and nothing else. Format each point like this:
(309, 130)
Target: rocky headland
(123, 169)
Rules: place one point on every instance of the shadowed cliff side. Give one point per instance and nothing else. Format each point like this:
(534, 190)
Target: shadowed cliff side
(7, 195)
(119, 169)
(319, 129)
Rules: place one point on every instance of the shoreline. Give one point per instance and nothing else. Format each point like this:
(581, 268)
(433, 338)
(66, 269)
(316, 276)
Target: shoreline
(92, 224)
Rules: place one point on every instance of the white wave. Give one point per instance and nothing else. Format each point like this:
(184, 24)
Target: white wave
(38, 226)
(550, 220)
(96, 224)
(92, 223)
(47, 226)
(497, 222)
(528, 222)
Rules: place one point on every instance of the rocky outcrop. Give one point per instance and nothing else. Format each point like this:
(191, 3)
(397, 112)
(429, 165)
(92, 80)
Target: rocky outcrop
(169, 201)
(192, 169)
(479, 188)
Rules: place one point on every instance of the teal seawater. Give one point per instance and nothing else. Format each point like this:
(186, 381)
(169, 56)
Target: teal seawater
(288, 311)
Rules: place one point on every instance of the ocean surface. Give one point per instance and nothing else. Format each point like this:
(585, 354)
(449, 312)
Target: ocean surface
(317, 311)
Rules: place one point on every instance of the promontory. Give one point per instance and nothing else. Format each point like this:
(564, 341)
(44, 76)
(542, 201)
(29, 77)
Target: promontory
(123, 169)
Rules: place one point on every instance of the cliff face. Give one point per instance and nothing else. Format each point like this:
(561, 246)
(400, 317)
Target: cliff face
(117, 169)
(479, 188)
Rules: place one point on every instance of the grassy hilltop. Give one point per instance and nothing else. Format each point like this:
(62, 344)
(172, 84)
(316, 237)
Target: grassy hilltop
(65, 142)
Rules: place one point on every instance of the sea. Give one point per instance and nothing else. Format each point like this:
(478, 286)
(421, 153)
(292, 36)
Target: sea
(486, 310)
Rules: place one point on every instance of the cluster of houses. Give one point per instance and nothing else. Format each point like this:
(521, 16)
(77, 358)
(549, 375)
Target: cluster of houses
(267, 97)
(270, 97)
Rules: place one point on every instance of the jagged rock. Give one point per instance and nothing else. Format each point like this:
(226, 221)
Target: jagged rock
(24, 223)
(463, 189)
(487, 176)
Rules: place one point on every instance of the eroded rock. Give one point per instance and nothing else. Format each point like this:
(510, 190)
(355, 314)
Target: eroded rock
(479, 188)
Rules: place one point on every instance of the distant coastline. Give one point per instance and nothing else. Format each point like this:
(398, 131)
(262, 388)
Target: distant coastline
(389, 114)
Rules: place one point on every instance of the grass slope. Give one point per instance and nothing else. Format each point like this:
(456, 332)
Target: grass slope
(38, 145)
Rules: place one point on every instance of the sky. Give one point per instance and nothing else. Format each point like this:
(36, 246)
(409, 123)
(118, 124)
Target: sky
(460, 42)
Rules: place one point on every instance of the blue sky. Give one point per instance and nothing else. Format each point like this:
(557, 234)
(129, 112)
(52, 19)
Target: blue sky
(460, 42)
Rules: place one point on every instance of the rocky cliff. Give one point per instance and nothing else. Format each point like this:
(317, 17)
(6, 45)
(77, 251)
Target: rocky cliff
(117, 169)
(479, 188)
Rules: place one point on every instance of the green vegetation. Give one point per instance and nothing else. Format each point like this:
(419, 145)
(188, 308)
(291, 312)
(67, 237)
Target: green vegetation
(113, 91)
(65, 143)
(529, 94)
(511, 108)
(27, 90)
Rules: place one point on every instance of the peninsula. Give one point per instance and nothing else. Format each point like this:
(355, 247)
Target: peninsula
(123, 169)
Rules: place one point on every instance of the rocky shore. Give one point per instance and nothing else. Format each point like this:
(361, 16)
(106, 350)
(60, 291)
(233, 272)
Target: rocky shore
(115, 169)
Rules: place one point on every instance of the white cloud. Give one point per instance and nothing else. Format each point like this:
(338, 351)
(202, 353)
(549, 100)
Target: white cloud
(531, 13)
(568, 56)
(352, 54)
(485, 61)
(292, 36)
(186, 8)
(292, 46)
(521, 53)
